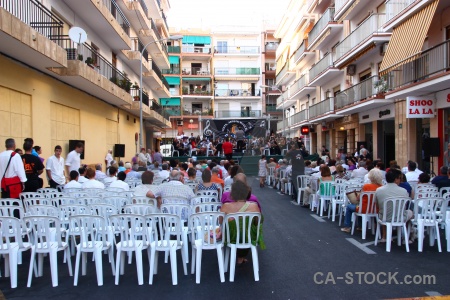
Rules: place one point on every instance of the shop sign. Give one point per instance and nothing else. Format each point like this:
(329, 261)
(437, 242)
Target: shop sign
(384, 113)
(419, 107)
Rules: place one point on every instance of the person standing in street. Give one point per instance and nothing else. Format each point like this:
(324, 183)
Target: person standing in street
(73, 161)
(298, 165)
(33, 168)
(15, 167)
(55, 168)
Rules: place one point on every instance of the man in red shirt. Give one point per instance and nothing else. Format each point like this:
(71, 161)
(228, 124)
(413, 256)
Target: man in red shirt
(227, 149)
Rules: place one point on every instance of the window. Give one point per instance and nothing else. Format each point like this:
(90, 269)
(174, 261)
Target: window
(95, 52)
(365, 74)
(222, 47)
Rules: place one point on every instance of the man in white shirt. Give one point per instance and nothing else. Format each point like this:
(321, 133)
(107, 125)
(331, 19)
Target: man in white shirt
(82, 178)
(146, 186)
(222, 167)
(108, 158)
(15, 167)
(92, 183)
(73, 161)
(361, 171)
(148, 156)
(112, 171)
(164, 173)
(174, 189)
(73, 183)
(413, 173)
(142, 158)
(55, 168)
(120, 182)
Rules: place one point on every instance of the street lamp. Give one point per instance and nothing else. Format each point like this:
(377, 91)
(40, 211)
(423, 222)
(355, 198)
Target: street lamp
(141, 125)
(275, 88)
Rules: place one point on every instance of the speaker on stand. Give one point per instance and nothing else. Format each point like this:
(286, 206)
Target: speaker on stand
(119, 150)
(431, 148)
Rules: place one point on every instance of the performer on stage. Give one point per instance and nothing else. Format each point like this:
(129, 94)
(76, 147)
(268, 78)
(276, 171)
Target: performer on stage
(240, 136)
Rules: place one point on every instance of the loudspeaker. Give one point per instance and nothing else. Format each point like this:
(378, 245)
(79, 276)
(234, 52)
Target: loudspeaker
(119, 150)
(73, 143)
(431, 147)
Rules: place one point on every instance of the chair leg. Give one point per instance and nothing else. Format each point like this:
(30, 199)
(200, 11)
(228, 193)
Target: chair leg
(193, 260)
(220, 261)
(438, 237)
(139, 267)
(111, 260)
(198, 266)
(118, 264)
(255, 263)
(364, 226)
(388, 237)
(420, 235)
(173, 265)
(13, 257)
(353, 223)
(226, 259)
(232, 262)
(77, 266)
(377, 233)
(83, 263)
(447, 234)
(152, 265)
(32, 263)
(54, 267)
(99, 265)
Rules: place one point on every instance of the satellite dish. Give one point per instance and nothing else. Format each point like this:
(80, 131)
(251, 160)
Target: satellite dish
(77, 35)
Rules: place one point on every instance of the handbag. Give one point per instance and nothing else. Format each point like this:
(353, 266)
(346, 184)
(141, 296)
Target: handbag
(353, 197)
(13, 185)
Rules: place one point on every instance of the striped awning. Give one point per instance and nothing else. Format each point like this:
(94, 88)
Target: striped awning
(408, 38)
(173, 80)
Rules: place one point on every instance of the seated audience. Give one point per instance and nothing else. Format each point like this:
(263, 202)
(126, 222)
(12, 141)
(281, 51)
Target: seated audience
(206, 185)
(73, 183)
(92, 182)
(120, 182)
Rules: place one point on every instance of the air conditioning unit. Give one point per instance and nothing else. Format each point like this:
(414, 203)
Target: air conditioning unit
(351, 70)
(179, 123)
(383, 48)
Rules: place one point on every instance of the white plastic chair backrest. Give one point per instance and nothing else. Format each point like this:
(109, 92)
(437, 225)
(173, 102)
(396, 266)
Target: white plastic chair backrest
(203, 199)
(89, 200)
(243, 222)
(271, 171)
(46, 190)
(66, 200)
(339, 191)
(10, 233)
(128, 194)
(371, 206)
(118, 201)
(206, 207)
(303, 181)
(66, 211)
(430, 210)
(314, 184)
(139, 209)
(55, 194)
(90, 229)
(208, 193)
(426, 193)
(444, 190)
(164, 228)
(8, 211)
(93, 191)
(192, 185)
(426, 186)
(72, 190)
(35, 201)
(106, 194)
(326, 188)
(227, 188)
(220, 190)
(144, 200)
(206, 226)
(169, 200)
(104, 210)
(282, 173)
(43, 230)
(130, 227)
(115, 189)
(27, 195)
(11, 201)
(60, 188)
(157, 180)
(396, 206)
(181, 210)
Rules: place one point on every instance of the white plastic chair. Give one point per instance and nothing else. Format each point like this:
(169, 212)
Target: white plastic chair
(92, 239)
(144, 200)
(337, 200)
(130, 228)
(12, 245)
(46, 240)
(243, 222)
(192, 185)
(90, 200)
(206, 207)
(302, 183)
(93, 191)
(203, 199)
(114, 189)
(395, 219)
(165, 226)
(139, 209)
(208, 193)
(326, 192)
(367, 216)
(54, 194)
(118, 201)
(183, 211)
(270, 176)
(206, 234)
(46, 190)
(313, 202)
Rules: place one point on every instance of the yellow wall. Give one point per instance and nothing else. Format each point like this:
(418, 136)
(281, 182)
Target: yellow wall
(17, 80)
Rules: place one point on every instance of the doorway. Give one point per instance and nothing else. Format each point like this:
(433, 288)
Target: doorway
(195, 68)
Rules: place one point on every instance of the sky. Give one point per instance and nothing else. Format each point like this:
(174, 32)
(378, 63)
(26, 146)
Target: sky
(185, 14)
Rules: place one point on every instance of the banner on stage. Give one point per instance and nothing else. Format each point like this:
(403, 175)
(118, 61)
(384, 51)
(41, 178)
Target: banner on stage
(227, 128)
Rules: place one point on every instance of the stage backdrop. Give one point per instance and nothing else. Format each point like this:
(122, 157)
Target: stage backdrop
(227, 128)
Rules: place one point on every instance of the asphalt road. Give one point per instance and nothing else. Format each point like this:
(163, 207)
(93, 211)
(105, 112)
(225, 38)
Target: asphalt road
(306, 258)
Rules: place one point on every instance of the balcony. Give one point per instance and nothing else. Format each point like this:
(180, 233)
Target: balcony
(174, 70)
(363, 38)
(196, 71)
(421, 74)
(157, 81)
(271, 47)
(349, 9)
(283, 97)
(173, 111)
(190, 48)
(134, 91)
(284, 74)
(27, 25)
(238, 114)
(236, 93)
(196, 92)
(300, 118)
(272, 109)
(300, 54)
(395, 7)
(325, 28)
(300, 88)
(324, 110)
(323, 71)
(135, 105)
(243, 74)
(134, 56)
(156, 13)
(107, 20)
(280, 126)
(174, 49)
(237, 50)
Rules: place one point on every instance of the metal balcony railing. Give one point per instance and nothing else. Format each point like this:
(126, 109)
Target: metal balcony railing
(327, 17)
(271, 46)
(356, 93)
(173, 70)
(237, 113)
(159, 74)
(118, 15)
(283, 70)
(366, 29)
(237, 49)
(320, 66)
(237, 71)
(159, 37)
(161, 111)
(394, 7)
(135, 94)
(272, 108)
(33, 13)
(173, 110)
(280, 100)
(138, 46)
(188, 48)
(237, 93)
(197, 92)
(95, 60)
(323, 107)
(174, 49)
(298, 85)
(299, 117)
(197, 112)
(195, 71)
(300, 50)
(144, 6)
(164, 19)
(338, 4)
(420, 66)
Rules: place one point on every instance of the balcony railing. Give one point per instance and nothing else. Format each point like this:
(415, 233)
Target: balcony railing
(173, 110)
(237, 49)
(300, 50)
(174, 91)
(237, 93)
(356, 93)
(271, 46)
(138, 46)
(135, 94)
(283, 70)
(320, 66)
(95, 60)
(197, 112)
(197, 92)
(394, 7)
(174, 70)
(195, 71)
(174, 49)
(338, 4)
(421, 66)
(118, 15)
(237, 71)
(321, 108)
(299, 84)
(300, 116)
(196, 49)
(164, 19)
(237, 113)
(327, 17)
(33, 13)
(367, 28)
(159, 74)
(272, 108)
(161, 111)
(159, 37)
(144, 6)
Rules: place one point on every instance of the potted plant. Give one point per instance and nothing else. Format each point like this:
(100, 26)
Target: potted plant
(185, 90)
(80, 57)
(381, 86)
(90, 62)
(135, 86)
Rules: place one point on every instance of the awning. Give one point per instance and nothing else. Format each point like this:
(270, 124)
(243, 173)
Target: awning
(196, 79)
(170, 101)
(175, 60)
(173, 80)
(407, 39)
(195, 39)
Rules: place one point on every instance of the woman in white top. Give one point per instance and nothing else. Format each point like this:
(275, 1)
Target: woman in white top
(92, 183)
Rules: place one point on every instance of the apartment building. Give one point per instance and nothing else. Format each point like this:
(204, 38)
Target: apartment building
(55, 89)
(352, 67)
